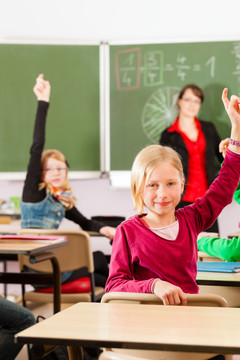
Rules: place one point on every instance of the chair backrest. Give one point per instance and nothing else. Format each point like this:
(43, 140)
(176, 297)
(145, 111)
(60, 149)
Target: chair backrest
(139, 298)
(112, 355)
(76, 254)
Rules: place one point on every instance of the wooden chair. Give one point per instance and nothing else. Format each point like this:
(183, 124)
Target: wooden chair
(77, 254)
(152, 299)
(113, 355)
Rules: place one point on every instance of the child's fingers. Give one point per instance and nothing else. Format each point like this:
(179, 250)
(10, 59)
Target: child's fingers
(40, 76)
(165, 300)
(224, 98)
(40, 82)
(174, 297)
(183, 297)
(171, 299)
(233, 108)
(177, 299)
(223, 145)
(234, 98)
(235, 102)
(41, 85)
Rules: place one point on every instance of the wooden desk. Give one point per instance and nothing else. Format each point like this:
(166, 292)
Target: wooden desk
(38, 251)
(237, 234)
(13, 214)
(13, 228)
(218, 279)
(171, 328)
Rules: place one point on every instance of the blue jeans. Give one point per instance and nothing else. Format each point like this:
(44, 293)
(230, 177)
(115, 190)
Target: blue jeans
(13, 319)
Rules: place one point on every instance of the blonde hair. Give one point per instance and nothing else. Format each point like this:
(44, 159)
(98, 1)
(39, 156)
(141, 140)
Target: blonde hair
(146, 160)
(55, 154)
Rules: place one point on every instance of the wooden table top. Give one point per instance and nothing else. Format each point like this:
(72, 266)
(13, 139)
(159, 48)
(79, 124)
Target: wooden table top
(182, 328)
(217, 278)
(236, 234)
(30, 247)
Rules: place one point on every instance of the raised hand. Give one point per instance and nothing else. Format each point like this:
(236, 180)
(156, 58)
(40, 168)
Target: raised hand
(42, 88)
(232, 107)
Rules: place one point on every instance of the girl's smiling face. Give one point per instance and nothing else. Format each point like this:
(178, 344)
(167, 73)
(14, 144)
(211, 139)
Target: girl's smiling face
(162, 191)
(54, 172)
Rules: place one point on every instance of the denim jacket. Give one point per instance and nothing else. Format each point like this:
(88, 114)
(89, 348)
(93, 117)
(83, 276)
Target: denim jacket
(46, 214)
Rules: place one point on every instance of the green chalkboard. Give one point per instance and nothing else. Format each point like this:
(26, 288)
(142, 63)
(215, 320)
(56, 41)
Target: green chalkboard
(73, 117)
(144, 84)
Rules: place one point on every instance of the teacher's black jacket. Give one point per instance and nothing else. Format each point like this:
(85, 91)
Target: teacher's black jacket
(175, 140)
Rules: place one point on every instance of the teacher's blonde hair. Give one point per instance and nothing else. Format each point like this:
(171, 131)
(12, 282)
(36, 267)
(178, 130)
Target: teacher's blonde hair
(146, 160)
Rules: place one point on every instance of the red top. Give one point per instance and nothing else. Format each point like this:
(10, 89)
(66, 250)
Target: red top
(197, 182)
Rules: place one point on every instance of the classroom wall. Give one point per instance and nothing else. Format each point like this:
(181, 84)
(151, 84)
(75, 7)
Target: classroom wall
(119, 20)
(58, 21)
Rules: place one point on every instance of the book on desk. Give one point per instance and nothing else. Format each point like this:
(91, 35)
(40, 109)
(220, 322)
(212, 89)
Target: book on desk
(218, 266)
(40, 238)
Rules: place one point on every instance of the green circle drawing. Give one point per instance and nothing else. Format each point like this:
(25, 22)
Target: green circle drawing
(159, 112)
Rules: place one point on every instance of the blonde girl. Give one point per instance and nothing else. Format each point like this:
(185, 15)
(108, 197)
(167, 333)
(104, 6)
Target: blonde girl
(156, 251)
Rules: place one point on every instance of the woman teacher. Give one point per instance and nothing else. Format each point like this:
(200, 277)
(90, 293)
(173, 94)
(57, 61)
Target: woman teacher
(197, 142)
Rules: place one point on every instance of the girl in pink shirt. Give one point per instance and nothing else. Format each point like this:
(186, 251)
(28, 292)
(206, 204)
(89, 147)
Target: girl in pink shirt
(157, 251)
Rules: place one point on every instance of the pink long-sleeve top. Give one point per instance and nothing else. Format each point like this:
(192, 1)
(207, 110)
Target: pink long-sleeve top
(139, 256)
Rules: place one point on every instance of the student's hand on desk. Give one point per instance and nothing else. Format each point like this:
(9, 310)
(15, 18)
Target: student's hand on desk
(42, 89)
(108, 231)
(169, 293)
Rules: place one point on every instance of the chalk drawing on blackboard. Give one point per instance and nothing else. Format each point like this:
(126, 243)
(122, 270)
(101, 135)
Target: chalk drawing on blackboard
(128, 69)
(236, 53)
(159, 112)
(153, 68)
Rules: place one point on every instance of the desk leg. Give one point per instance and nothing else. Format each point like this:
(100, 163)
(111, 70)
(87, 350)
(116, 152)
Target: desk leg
(75, 353)
(5, 270)
(57, 285)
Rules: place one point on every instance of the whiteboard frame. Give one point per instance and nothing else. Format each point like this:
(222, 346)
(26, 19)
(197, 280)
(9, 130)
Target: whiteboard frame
(104, 109)
(172, 40)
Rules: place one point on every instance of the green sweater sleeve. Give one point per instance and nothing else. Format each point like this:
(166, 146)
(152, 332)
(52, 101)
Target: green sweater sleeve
(226, 249)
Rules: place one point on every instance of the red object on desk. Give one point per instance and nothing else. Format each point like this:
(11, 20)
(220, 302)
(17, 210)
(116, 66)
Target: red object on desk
(32, 237)
(81, 285)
